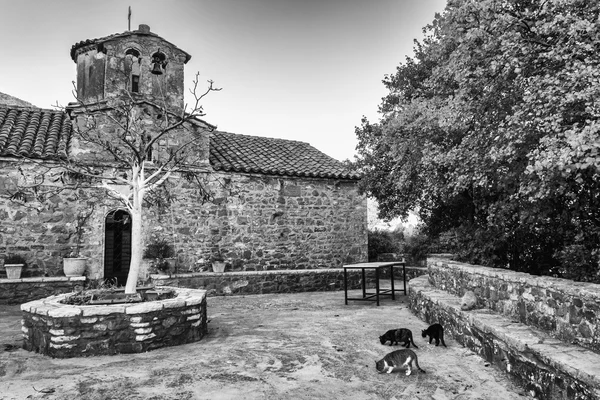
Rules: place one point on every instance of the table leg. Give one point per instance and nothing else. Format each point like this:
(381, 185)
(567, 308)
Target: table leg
(404, 277)
(377, 284)
(393, 290)
(345, 287)
(364, 283)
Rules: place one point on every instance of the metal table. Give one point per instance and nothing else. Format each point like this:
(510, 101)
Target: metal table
(377, 266)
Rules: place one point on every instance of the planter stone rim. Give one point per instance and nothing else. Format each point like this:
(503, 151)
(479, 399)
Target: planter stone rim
(51, 303)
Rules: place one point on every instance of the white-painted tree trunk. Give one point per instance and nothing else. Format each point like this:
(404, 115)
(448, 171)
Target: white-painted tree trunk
(137, 189)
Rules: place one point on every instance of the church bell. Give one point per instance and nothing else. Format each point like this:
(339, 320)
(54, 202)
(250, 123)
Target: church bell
(156, 68)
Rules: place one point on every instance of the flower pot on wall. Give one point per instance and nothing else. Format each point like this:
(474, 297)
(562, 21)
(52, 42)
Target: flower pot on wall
(13, 271)
(218, 266)
(74, 266)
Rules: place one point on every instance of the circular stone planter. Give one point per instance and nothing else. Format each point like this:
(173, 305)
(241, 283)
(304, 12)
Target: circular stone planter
(62, 330)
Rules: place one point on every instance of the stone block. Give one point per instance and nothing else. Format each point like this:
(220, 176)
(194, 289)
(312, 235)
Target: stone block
(143, 308)
(142, 338)
(61, 312)
(62, 339)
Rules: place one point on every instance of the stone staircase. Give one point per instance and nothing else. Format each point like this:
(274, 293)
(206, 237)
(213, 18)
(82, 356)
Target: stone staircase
(530, 327)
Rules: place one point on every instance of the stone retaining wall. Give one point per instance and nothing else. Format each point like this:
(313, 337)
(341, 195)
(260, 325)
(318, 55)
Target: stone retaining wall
(283, 281)
(545, 366)
(63, 331)
(564, 309)
(17, 291)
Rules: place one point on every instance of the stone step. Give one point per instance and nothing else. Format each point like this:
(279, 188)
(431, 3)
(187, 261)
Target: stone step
(548, 366)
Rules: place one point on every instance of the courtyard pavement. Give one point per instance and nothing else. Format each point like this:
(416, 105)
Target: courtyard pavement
(281, 346)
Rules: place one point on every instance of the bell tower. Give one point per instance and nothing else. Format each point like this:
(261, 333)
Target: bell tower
(139, 63)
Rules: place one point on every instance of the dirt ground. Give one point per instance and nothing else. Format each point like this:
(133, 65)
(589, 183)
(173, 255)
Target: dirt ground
(287, 346)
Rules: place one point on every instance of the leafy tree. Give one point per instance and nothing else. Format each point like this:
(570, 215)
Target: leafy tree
(383, 241)
(491, 131)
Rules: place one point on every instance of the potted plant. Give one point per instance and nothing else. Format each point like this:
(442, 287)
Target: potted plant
(14, 266)
(218, 262)
(162, 254)
(73, 261)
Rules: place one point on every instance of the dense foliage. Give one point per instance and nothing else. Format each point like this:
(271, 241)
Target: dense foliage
(382, 241)
(491, 131)
(414, 247)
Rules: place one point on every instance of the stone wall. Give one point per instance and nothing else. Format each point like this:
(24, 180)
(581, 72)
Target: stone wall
(44, 233)
(567, 310)
(63, 331)
(258, 222)
(262, 222)
(17, 291)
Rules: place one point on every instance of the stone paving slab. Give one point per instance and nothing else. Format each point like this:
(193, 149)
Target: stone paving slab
(275, 346)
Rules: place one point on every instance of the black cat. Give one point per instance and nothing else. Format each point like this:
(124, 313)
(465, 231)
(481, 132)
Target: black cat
(395, 336)
(435, 331)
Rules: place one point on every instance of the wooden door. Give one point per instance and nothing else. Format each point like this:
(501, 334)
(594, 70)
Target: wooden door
(117, 246)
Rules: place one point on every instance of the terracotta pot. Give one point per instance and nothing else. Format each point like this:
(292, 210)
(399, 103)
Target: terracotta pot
(218, 266)
(13, 271)
(74, 266)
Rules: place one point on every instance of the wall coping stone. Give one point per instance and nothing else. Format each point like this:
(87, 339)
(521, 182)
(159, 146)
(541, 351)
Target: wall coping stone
(43, 279)
(51, 306)
(577, 289)
(530, 344)
(248, 273)
(323, 271)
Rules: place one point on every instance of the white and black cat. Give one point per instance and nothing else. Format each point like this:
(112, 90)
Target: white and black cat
(435, 331)
(395, 336)
(399, 359)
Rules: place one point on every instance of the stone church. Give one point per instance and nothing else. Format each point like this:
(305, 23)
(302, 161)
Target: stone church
(273, 203)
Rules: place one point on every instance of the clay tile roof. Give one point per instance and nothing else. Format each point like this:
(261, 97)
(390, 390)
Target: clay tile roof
(33, 132)
(243, 153)
(41, 133)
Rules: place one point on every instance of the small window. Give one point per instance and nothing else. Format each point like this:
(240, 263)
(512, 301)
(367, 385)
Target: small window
(135, 83)
(133, 58)
(149, 153)
(132, 52)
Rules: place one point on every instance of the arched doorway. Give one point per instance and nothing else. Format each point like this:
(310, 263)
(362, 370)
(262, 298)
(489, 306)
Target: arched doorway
(117, 246)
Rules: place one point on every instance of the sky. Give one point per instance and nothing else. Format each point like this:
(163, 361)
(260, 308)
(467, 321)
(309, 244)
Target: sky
(304, 70)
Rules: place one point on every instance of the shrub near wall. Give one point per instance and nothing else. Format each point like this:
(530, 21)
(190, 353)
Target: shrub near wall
(565, 309)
